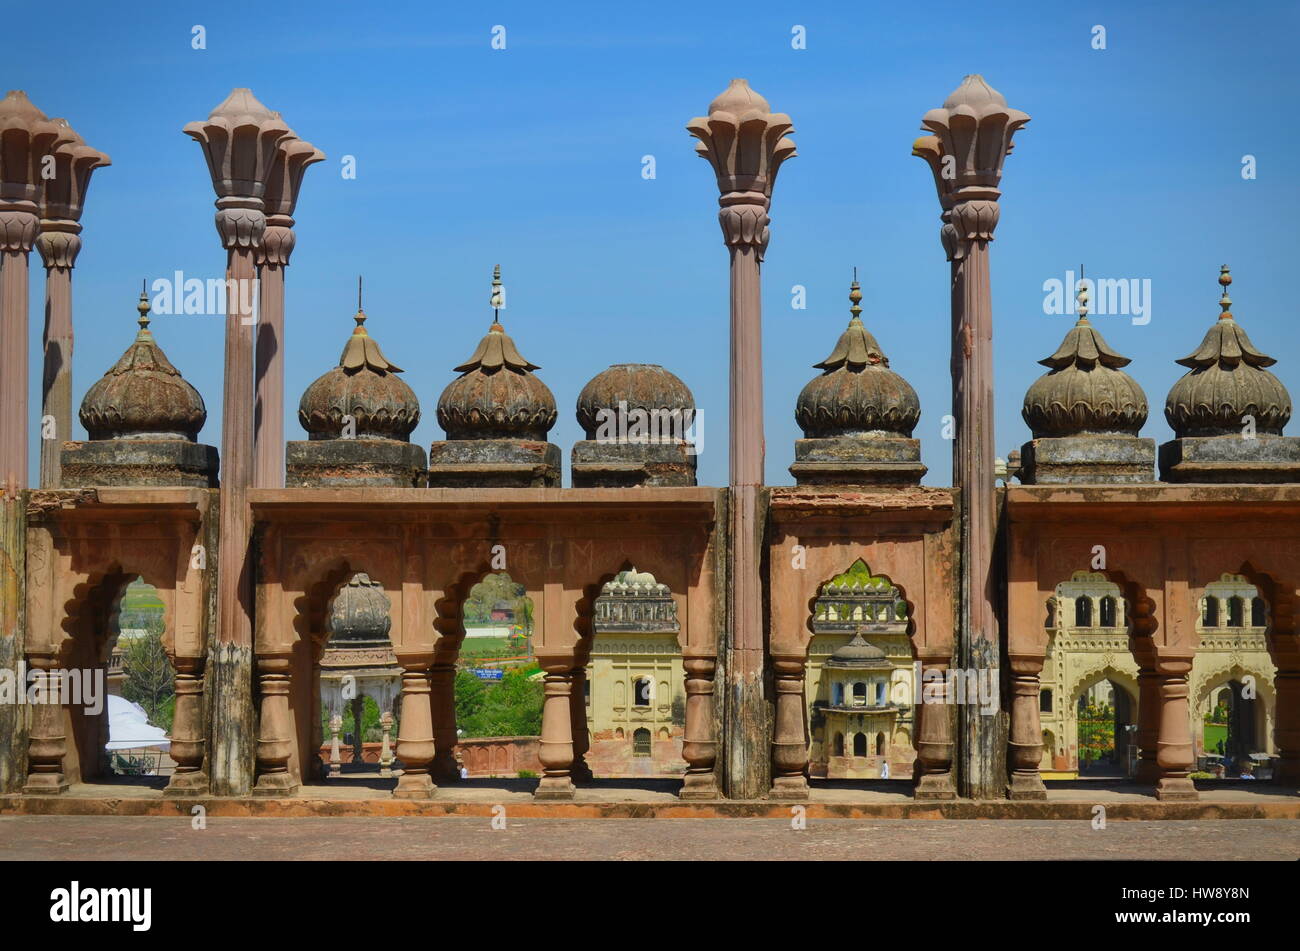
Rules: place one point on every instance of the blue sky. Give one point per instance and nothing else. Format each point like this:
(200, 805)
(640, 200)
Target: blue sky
(530, 157)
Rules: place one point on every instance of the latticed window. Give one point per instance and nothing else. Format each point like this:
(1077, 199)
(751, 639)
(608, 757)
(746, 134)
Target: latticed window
(641, 742)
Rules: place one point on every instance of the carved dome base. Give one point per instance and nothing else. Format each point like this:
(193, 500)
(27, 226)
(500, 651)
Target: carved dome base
(494, 464)
(1265, 459)
(873, 460)
(138, 462)
(1111, 459)
(329, 463)
(598, 464)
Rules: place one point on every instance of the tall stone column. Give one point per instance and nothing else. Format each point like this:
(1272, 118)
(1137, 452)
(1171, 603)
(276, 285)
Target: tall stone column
(275, 735)
(239, 141)
(970, 138)
(746, 144)
(581, 771)
(59, 244)
(1026, 741)
(556, 747)
(442, 679)
(699, 748)
(1174, 750)
(292, 157)
(789, 739)
(1286, 685)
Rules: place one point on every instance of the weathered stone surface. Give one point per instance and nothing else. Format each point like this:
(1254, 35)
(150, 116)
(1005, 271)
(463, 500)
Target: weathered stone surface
(139, 462)
(853, 460)
(14, 717)
(612, 464)
(362, 462)
(493, 463)
(1096, 459)
(1265, 458)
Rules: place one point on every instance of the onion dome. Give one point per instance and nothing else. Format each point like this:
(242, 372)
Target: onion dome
(360, 611)
(858, 394)
(1227, 381)
(637, 386)
(1085, 392)
(858, 654)
(364, 386)
(496, 396)
(143, 396)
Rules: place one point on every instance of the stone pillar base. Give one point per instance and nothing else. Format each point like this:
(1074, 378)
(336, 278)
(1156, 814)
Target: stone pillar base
(858, 460)
(1026, 788)
(554, 788)
(45, 784)
(330, 463)
(789, 787)
(494, 463)
(699, 786)
(1088, 459)
(600, 465)
(187, 785)
(281, 785)
(935, 786)
(1266, 458)
(137, 462)
(1176, 790)
(418, 786)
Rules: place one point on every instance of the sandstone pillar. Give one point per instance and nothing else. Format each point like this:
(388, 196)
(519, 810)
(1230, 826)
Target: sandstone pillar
(699, 748)
(415, 746)
(59, 244)
(581, 771)
(189, 737)
(790, 739)
(1174, 750)
(275, 737)
(292, 156)
(239, 141)
(746, 144)
(1026, 741)
(556, 747)
(49, 742)
(933, 777)
(14, 718)
(1148, 723)
(970, 138)
(442, 679)
(1286, 685)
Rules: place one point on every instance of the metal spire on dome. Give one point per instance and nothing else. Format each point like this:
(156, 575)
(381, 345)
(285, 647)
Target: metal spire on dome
(1225, 302)
(143, 306)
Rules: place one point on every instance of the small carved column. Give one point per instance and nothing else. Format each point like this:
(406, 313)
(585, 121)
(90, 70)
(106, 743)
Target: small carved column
(189, 742)
(292, 157)
(385, 750)
(699, 748)
(1025, 746)
(59, 244)
(1174, 752)
(556, 747)
(581, 772)
(358, 735)
(49, 743)
(789, 740)
(239, 140)
(29, 136)
(442, 678)
(1286, 685)
(746, 144)
(933, 770)
(275, 738)
(415, 746)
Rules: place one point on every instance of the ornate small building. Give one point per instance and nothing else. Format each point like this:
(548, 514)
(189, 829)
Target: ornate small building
(857, 417)
(496, 415)
(637, 418)
(1228, 410)
(143, 419)
(1085, 415)
(359, 417)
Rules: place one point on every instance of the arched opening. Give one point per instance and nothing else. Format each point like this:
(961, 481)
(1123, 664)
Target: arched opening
(1233, 730)
(880, 744)
(1236, 612)
(499, 685)
(141, 688)
(641, 745)
(1083, 612)
(838, 749)
(1108, 611)
(859, 694)
(1210, 616)
(859, 744)
(1104, 715)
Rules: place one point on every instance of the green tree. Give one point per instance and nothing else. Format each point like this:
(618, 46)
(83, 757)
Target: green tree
(150, 678)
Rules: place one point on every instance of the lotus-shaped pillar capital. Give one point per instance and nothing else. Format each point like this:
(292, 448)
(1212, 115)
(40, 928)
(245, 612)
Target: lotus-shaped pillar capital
(239, 139)
(65, 194)
(743, 140)
(974, 126)
(289, 165)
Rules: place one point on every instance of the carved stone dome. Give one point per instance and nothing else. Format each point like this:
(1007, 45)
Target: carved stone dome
(364, 386)
(143, 396)
(639, 386)
(497, 396)
(1085, 392)
(857, 394)
(858, 654)
(360, 611)
(1227, 381)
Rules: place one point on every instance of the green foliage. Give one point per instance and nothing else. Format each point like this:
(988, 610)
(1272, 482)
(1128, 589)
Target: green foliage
(1096, 731)
(493, 588)
(509, 707)
(527, 774)
(150, 678)
(372, 730)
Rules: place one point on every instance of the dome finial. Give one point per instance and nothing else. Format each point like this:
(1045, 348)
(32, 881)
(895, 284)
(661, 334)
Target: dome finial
(143, 307)
(360, 317)
(1082, 297)
(498, 299)
(855, 296)
(1225, 302)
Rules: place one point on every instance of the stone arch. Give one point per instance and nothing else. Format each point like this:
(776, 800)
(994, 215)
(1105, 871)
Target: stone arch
(1096, 675)
(1226, 672)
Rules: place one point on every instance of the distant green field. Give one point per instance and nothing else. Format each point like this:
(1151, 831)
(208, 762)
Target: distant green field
(141, 597)
(486, 647)
(1213, 734)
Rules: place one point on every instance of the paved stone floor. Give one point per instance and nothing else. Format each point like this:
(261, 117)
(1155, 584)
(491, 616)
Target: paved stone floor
(444, 839)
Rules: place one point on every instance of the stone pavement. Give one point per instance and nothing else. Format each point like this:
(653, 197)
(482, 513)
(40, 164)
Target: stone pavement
(454, 838)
